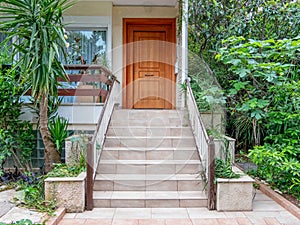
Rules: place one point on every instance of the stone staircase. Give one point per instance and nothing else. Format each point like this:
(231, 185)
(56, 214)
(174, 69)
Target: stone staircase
(149, 159)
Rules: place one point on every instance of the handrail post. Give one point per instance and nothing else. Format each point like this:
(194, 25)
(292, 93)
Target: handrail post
(211, 174)
(89, 175)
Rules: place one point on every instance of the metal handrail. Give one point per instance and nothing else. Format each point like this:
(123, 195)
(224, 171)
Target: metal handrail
(95, 144)
(205, 144)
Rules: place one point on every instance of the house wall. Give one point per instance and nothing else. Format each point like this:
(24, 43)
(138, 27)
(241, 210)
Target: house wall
(92, 13)
(119, 13)
(82, 117)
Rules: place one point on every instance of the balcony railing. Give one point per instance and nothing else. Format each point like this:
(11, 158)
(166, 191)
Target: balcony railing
(85, 84)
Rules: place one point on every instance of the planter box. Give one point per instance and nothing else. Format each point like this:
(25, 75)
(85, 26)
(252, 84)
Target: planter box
(67, 192)
(235, 194)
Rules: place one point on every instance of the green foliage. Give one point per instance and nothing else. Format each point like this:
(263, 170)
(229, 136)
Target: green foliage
(223, 169)
(278, 159)
(212, 21)
(64, 170)
(36, 28)
(58, 127)
(259, 66)
(16, 136)
(20, 222)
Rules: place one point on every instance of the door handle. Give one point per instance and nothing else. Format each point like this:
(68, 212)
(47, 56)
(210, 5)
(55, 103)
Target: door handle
(149, 75)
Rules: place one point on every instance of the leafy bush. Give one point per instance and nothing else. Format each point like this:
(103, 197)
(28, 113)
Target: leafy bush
(278, 159)
(16, 136)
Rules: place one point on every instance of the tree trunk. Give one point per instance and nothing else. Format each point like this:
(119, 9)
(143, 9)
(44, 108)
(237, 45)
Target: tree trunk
(51, 155)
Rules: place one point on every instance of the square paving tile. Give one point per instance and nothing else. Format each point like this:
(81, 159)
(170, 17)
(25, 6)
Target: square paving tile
(125, 222)
(152, 222)
(97, 213)
(169, 213)
(266, 206)
(132, 213)
(227, 221)
(204, 213)
(72, 221)
(98, 222)
(205, 222)
(70, 215)
(272, 221)
(243, 221)
(178, 222)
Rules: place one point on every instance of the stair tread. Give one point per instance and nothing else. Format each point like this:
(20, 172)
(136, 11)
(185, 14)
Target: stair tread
(149, 137)
(148, 148)
(144, 195)
(170, 162)
(164, 177)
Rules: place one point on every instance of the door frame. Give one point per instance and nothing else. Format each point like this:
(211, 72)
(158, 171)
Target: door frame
(127, 93)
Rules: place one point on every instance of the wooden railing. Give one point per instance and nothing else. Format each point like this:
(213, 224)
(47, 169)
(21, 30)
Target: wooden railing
(204, 143)
(95, 145)
(89, 83)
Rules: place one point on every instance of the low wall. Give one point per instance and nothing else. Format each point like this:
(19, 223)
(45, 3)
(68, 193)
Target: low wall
(67, 192)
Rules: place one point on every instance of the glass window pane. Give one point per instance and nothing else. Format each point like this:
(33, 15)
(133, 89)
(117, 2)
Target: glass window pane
(85, 46)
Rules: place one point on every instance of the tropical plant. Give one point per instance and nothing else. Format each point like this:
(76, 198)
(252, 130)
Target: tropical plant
(259, 66)
(37, 28)
(58, 127)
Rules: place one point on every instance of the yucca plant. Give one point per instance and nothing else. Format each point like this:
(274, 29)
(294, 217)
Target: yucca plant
(36, 28)
(58, 127)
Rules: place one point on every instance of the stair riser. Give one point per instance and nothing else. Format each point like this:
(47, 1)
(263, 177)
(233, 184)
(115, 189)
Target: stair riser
(149, 132)
(153, 122)
(150, 155)
(155, 203)
(148, 169)
(142, 114)
(148, 185)
(149, 143)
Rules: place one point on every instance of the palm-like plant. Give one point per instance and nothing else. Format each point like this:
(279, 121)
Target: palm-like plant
(37, 30)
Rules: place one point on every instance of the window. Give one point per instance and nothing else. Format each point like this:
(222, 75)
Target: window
(86, 46)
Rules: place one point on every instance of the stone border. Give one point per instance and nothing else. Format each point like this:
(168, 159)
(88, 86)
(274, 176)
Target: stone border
(59, 214)
(279, 199)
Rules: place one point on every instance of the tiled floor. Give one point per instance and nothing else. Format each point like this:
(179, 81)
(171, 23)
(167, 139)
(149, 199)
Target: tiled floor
(265, 212)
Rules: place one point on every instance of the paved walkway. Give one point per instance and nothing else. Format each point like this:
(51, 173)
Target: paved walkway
(265, 212)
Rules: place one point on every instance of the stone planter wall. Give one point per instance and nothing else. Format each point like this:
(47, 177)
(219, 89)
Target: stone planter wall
(235, 194)
(217, 121)
(67, 192)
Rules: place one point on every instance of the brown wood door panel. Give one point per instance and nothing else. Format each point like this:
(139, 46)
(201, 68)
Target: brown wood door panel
(148, 79)
(148, 69)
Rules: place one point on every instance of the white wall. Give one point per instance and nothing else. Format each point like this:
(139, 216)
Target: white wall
(80, 116)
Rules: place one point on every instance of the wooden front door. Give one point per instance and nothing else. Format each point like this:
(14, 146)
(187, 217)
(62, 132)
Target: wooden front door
(149, 80)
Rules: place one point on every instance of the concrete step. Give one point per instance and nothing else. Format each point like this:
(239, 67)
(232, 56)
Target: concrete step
(114, 153)
(154, 142)
(156, 131)
(150, 118)
(149, 199)
(149, 182)
(149, 166)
